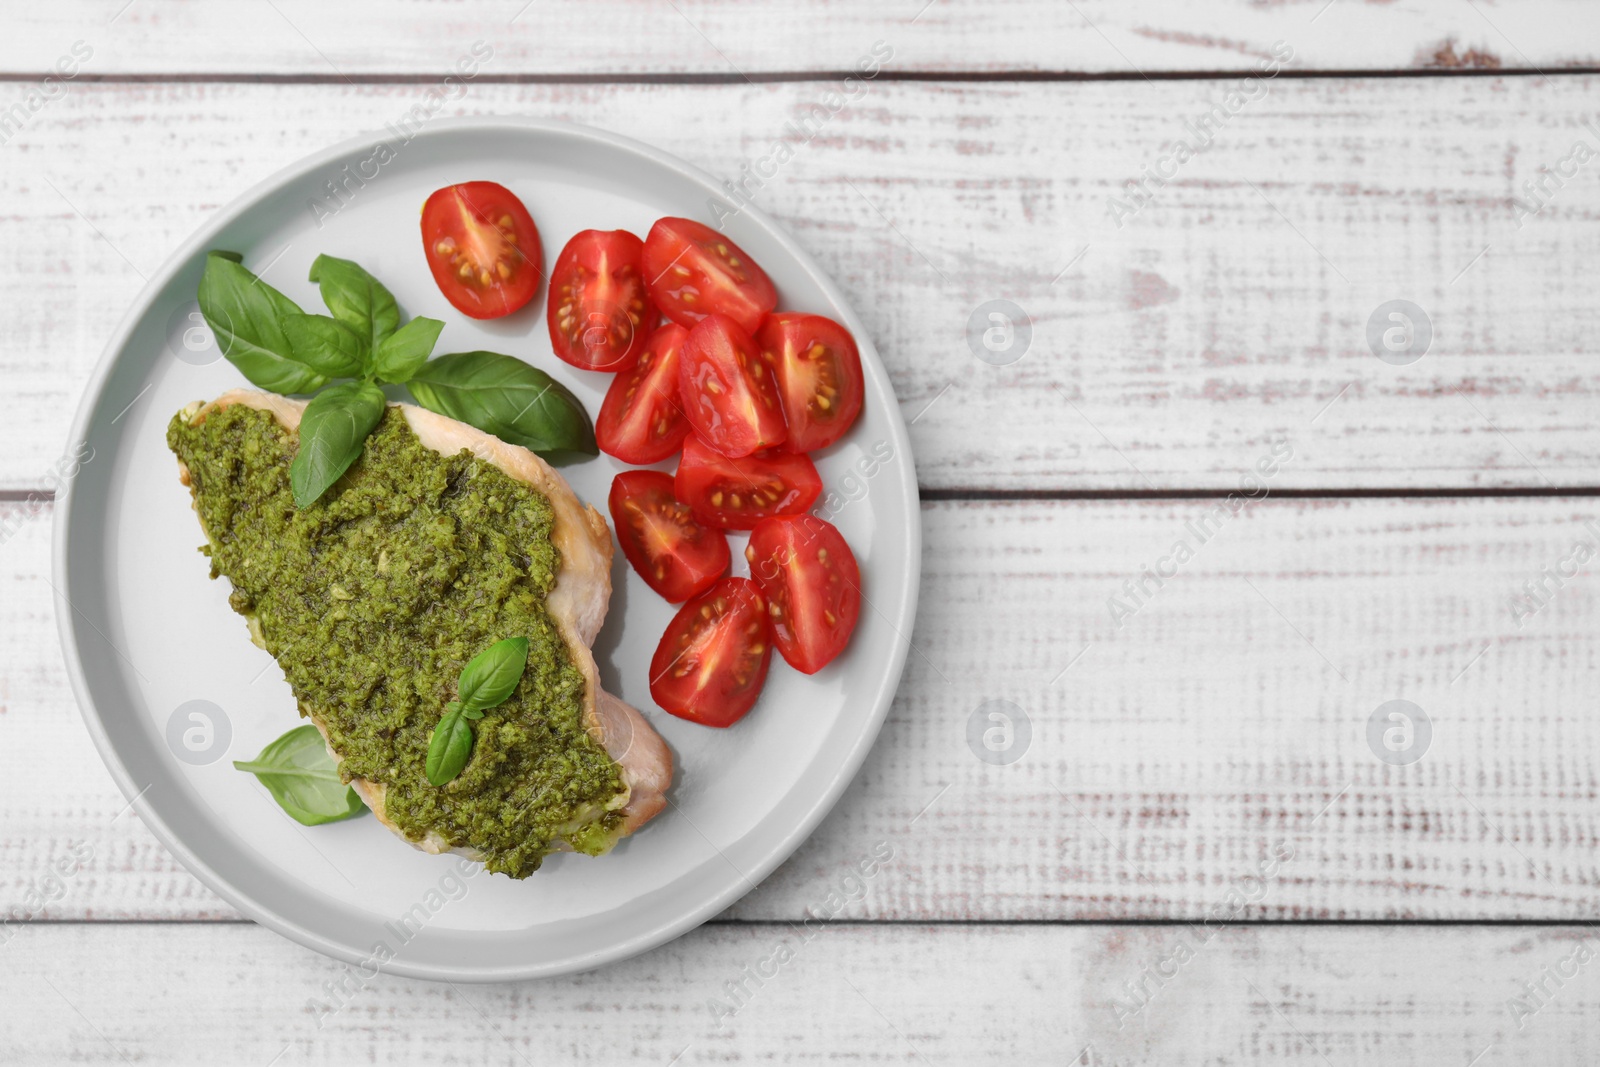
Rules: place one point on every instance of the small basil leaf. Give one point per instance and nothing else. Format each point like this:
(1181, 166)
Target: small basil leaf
(492, 675)
(325, 345)
(356, 299)
(303, 779)
(237, 257)
(449, 748)
(506, 397)
(404, 352)
(245, 314)
(332, 430)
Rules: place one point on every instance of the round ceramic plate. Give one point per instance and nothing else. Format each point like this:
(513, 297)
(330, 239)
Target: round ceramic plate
(173, 691)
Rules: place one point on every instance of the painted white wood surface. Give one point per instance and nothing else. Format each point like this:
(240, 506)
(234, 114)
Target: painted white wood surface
(726, 38)
(1224, 722)
(238, 994)
(1230, 310)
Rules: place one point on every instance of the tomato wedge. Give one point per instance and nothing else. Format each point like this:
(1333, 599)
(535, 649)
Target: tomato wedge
(482, 247)
(812, 584)
(735, 494)
(694, 271)
(598, 308)
(728, 392)
(712, 661)
(818, 371)
(641, 419)
(674, 554)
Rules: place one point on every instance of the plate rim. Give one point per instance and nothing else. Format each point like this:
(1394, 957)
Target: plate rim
(773, 853)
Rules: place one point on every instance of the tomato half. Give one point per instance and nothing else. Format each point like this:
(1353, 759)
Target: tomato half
(818, 371)
(674, 554)
(641, 419)
(598, 311)
(735, 494)
(482, 247)
(712, 661)
(812, 584)
(727, 389)
(694, 271)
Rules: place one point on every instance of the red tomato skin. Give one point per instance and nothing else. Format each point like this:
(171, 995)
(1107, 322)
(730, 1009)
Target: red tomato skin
(702, 470)
(482, 199)
(786, 340)
(747, 618)
(702, 558)
(610, 328)
(693, 271)
(826, 579)
(622, 429)
(729, 395)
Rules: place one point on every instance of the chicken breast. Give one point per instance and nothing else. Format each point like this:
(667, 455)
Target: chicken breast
(576, 604)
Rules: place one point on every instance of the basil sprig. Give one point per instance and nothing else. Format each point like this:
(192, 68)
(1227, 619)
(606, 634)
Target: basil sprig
(303, 779)
(282, 349)
(519, 404)
(486, 682)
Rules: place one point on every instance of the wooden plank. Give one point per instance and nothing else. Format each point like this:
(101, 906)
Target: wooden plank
(1223, 724)
(598, 37)
(852, 994)
(1229, 311)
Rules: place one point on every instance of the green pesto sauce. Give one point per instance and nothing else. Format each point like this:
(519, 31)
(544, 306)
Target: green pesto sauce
(375, 597)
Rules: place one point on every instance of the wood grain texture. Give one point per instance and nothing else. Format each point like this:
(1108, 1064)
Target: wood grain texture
(1224, 723)
(853, 994)
(1230, 310)
(723, 37)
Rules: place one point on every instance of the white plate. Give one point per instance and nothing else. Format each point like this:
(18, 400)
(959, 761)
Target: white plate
(146, 632)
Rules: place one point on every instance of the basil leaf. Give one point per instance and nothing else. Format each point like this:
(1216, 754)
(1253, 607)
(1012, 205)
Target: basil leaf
(356, 299)
(245, 314)
(449, 748)
(325, 345)
(303, 779)
(332, 430)
(404, 352)
(492, 675)
(504, 396)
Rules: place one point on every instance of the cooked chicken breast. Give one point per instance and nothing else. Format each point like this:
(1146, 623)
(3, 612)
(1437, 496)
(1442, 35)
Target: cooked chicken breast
(577, 604)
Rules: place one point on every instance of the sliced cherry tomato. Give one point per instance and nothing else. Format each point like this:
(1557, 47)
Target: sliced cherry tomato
(641, 419)
(727, 389)
(818, 372)
(482, 247)
(812, 585)
(712, 661)
(735, 494)
(674, 554)
(598, 311)
(694, 271)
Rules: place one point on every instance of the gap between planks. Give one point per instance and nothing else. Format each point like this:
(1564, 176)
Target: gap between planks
(783, 76)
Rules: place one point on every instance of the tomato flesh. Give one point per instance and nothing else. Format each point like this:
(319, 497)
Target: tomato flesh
(818, 372)
(735, 494)
(812, 585)
(598, 309)
(712, 661)
(727, 389)
(675, 555)
(641, 419)
(694, 271)
(482, 247)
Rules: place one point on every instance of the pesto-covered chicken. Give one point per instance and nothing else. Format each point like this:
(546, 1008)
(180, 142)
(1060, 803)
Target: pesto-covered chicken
(439, 541)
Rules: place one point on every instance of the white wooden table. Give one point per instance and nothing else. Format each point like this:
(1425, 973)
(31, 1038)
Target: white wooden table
(1100, 899)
